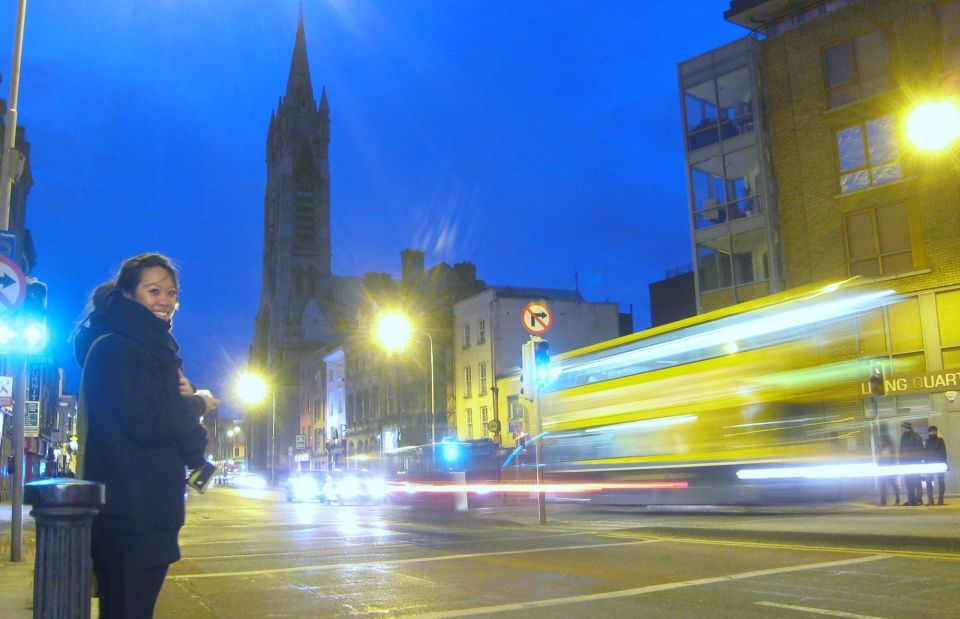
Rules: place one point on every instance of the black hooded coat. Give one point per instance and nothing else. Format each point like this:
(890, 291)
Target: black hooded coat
(135, 419)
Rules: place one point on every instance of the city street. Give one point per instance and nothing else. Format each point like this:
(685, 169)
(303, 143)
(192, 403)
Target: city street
(250, 554)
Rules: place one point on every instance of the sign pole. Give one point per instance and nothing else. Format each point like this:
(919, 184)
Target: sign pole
(16, 494)
(541, 494)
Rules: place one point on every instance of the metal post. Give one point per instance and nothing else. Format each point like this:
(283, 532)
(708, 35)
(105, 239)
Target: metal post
(11, 159)
(273, 438)
(541, 494)
(433, 392)
(64, 510)
(16, 492)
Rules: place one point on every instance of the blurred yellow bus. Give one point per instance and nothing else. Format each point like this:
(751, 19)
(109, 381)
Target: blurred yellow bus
(702, 410)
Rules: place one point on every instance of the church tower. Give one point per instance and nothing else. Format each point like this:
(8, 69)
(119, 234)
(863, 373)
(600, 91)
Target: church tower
(298, 289)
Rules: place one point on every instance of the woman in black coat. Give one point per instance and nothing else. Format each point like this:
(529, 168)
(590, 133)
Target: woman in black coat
(138, 427)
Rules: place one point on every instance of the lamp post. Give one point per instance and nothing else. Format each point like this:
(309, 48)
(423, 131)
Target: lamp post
(252, 388)
(933, 125)
(394, 331)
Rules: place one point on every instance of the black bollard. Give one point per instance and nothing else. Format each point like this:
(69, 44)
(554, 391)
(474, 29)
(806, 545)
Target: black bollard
(63, 510)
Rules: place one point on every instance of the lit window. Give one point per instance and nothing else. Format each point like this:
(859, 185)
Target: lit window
(878, 241)
(868, 154)
(467, 382)
(857, 68)
(949, 17)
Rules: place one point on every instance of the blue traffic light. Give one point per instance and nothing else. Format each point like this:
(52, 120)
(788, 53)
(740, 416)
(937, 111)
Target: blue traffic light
(541, 356)
(25, 331)
(451, 453)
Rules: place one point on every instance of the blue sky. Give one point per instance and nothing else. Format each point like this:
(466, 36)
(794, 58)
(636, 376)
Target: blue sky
(535, 139)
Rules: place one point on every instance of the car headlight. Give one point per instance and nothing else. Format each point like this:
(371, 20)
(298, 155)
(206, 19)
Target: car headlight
(349, 487)
(377, 488)
(305, 487)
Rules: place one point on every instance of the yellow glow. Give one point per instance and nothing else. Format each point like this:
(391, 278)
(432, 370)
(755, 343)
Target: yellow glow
(394, 330)
(933, 125)
(251, 388)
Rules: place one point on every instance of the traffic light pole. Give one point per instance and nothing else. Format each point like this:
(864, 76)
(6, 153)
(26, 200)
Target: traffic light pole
(541, 494)
(16, 493)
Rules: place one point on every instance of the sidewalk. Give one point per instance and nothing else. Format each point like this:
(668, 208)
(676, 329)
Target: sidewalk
(16, 578)
(860, 524)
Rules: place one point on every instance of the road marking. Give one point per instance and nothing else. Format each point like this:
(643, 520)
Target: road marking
(914, 554)
(819, 611)
(382, 563)
(593, 597)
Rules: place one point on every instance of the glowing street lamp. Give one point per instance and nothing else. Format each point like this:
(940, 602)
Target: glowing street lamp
(933, 125)
(252, 388)
(394, 330)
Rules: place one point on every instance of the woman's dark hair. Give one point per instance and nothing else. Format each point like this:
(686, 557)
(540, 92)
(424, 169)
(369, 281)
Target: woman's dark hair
(128, 278)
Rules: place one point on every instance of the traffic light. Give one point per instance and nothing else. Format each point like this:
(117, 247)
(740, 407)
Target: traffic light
(451, 452)
(877, 386)
(541, 361)
(33, 316)
(25, 331)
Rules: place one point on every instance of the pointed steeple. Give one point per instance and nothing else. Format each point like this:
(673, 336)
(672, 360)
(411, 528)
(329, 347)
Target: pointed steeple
(299, 88)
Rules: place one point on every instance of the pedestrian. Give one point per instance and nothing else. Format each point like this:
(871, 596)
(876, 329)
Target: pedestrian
(911, 452)
(887, 457)
(134, 426)
(935, 452)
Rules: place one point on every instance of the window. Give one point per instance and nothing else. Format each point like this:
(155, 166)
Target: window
(726, 188)
(469, 427)
(466, 335)
(483, 379)
(878, 241)
(467, 382)
(718, 109)
(484, 417)
(482, 334)
(857, 68)
(868, 154)
(948, 16)
(714, 264)
(515, 407)
(948, 308)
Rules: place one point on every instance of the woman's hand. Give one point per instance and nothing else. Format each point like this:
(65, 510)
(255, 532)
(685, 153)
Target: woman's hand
(209, 401)
(186, 387)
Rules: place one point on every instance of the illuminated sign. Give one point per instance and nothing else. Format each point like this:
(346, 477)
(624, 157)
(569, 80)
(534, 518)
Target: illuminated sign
(922, 382)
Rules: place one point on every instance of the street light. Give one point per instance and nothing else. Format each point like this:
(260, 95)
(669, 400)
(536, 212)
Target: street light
(252, 388)
(394, 330)
(933, 125)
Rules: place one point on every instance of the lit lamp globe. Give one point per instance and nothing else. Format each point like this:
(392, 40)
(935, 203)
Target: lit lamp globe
(251, 388)
(933, 125)
(394, 330)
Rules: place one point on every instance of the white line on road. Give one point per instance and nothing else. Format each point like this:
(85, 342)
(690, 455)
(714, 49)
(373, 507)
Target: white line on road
(818, 611)
(593, 597)
(387, 562)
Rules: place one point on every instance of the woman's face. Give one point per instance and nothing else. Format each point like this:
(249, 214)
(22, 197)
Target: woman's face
(157, 292)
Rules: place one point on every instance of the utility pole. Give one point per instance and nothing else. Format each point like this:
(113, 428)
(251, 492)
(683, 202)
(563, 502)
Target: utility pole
(9, 173)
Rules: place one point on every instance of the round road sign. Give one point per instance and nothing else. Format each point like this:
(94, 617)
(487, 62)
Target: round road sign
(13, 284)
(536, 318)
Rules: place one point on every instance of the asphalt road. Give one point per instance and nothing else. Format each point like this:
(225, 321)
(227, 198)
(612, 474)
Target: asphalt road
(250, 554)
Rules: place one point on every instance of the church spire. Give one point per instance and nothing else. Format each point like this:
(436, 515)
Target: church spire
(299, 88)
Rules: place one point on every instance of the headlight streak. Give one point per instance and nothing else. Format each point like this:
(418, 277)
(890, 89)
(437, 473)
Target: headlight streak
(556, 487)
(840, 471)
(752, 329)
(644, 424)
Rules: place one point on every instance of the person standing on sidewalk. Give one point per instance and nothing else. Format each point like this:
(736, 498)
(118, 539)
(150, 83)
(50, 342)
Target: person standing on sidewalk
(135, 423)
(934, 452)
(911, 452)
(887, 457)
